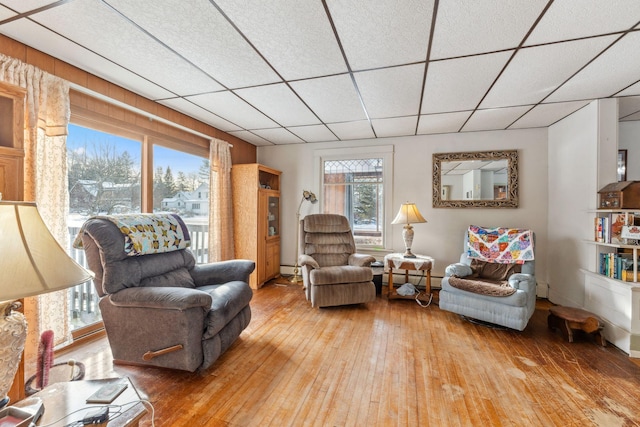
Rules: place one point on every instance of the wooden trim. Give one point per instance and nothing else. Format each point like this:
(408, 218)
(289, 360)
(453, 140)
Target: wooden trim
(242, 151)
(146, 184)
(82, 340)
(133, 126)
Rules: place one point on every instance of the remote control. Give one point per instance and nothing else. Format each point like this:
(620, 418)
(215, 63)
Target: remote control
(107, 393)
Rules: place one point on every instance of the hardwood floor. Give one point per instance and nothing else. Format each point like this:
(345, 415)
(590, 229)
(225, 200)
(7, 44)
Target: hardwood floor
(387, 363)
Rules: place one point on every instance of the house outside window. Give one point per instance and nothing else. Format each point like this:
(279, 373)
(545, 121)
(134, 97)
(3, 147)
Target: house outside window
(356, 183)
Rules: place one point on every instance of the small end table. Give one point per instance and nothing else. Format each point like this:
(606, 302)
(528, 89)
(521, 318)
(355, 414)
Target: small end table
(63, 398)
(419, 263)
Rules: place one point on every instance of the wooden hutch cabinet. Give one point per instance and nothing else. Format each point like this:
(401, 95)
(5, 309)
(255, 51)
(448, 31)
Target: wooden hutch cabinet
(12, 99)
(11, 142)
(256, 219)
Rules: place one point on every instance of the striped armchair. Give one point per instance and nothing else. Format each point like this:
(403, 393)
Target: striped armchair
(332, 273)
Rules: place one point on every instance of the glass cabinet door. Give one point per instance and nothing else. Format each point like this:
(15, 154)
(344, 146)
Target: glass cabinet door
(274, 216)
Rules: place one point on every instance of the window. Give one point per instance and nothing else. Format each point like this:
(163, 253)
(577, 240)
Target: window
(104, 178)
(106, 174)
(355, 183)
(181, 185)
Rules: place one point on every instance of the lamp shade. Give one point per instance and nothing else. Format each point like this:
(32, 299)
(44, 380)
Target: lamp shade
(408, 214)
(32, 262)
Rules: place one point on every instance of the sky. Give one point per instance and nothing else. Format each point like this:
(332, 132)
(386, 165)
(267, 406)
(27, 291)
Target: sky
(79, 137)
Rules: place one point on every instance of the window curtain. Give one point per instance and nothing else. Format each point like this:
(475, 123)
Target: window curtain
(220, 202)
(45, 181)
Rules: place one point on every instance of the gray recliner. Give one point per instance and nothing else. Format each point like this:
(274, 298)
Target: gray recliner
(163, 309)
(332, 272)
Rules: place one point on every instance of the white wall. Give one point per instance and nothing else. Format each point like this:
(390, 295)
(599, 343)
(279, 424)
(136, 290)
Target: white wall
(581, 156)
(629, 139)
(441, 237)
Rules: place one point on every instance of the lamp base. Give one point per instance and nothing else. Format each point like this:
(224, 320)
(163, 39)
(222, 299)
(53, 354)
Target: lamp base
(13, 334)
(408, 255)
(3, 402)
(296, 277)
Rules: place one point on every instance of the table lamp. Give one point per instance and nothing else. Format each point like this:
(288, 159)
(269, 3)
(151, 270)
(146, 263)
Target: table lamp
(407, 215)
(32, 262)
(310, 197)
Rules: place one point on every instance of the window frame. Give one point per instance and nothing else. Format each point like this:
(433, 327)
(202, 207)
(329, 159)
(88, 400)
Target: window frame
(102, 116)
(385, 152)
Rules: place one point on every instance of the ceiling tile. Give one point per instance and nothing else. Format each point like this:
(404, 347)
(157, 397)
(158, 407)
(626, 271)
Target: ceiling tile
(396, 126)
(352, 130)
(22, 6)
(32, 34)
(611, 72)
(333, 98)
(442, 123)
(278, 136)
(570, 19)
(632, 117)
(280, 103)
(391, 92)
(315, 133)
(459, 84)
(628, 105)
(231, 108)
(226, 55)
(494, 119)
(634, 89)
(534, 72)
(190, 109)
(6, 13)
(467, 27)
(364, 29)
(545, 115)
(294, 36)
(251, 138)
(86, 21)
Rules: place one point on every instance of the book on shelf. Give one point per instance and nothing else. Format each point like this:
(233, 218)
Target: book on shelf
(616, 265)
(610, 228)
(627, 276)
(617, 221)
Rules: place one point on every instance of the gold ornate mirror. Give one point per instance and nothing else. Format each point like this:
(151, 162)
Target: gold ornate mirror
(480, 179)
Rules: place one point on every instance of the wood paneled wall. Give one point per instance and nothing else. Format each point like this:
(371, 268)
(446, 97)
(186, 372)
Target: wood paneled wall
(242, 151)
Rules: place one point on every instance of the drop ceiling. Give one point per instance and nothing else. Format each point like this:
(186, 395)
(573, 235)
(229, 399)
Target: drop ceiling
(304, 71)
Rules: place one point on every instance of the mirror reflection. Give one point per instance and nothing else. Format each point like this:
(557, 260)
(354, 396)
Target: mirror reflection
(475, 179)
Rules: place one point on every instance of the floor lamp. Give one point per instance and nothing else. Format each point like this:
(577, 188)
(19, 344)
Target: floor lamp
(310, 197)
(32, 262)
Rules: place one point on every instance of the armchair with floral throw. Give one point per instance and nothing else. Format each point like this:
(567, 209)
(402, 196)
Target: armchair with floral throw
(495, 280)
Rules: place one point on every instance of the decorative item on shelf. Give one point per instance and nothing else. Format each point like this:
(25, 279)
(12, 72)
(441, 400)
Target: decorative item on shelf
(407, 215)
(620, 195)
(630, 232)
(310, 197)
(32, 263)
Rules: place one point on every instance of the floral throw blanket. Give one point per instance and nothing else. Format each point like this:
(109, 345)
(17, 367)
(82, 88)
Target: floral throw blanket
(147, 233)
(500, 245)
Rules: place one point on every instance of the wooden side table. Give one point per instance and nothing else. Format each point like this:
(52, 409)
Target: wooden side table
(566, 319)
(419, 263)
(64, 398)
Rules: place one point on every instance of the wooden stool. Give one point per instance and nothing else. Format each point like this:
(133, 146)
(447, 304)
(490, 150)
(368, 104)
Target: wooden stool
(568, 318)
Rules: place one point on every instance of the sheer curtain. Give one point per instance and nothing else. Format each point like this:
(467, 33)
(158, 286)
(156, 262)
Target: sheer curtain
(45, 180)
(220, 206)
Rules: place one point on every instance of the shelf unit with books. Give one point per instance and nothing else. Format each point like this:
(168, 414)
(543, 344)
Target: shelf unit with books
(617, 253)
(612, 289)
